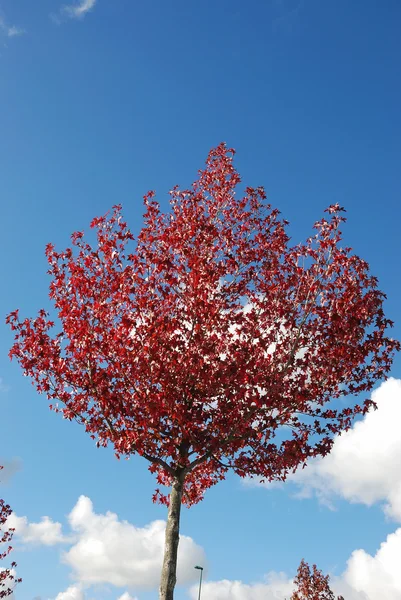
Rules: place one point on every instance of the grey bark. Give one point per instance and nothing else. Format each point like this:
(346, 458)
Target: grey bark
(169, 570)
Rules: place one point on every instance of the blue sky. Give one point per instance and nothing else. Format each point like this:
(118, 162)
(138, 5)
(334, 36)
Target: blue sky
(102, 101)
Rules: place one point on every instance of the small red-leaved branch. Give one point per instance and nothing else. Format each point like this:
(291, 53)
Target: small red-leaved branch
(8, 580)
(213, 344)
(311, 584)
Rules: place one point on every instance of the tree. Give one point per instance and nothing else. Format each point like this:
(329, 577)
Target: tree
(214, 345)
(312, 584)
(7, 577)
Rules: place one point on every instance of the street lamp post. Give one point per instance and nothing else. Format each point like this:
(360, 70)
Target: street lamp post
(200, 579)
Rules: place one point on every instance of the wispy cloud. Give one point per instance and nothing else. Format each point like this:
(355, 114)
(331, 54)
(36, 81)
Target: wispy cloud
(3, 387)
(10, 30)
(288, 13)
(80, 9)
(14, 31)
(10, 467)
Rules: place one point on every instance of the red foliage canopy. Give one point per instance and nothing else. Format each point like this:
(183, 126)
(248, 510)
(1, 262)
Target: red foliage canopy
(312, 584)
(7, 578)
(214, 344)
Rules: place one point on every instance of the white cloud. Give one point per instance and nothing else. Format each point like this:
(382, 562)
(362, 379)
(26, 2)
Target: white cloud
(126, 596)
(104, 549)
(379, 576)
(46, 532)
(74, 592)
(79, 10)
(365, 462)
(275, 587)
(112, 551)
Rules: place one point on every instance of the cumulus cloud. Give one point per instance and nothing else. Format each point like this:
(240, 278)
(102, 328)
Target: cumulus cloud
(126, 596)
(276, 586)
(80, 9)
(46, 532)
(112, 551)
(379, 576)
(74, 592)
(365, 463)
(106, 550)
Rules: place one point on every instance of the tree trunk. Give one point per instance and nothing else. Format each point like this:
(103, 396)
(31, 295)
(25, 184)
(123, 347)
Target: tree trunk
(169, 570)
